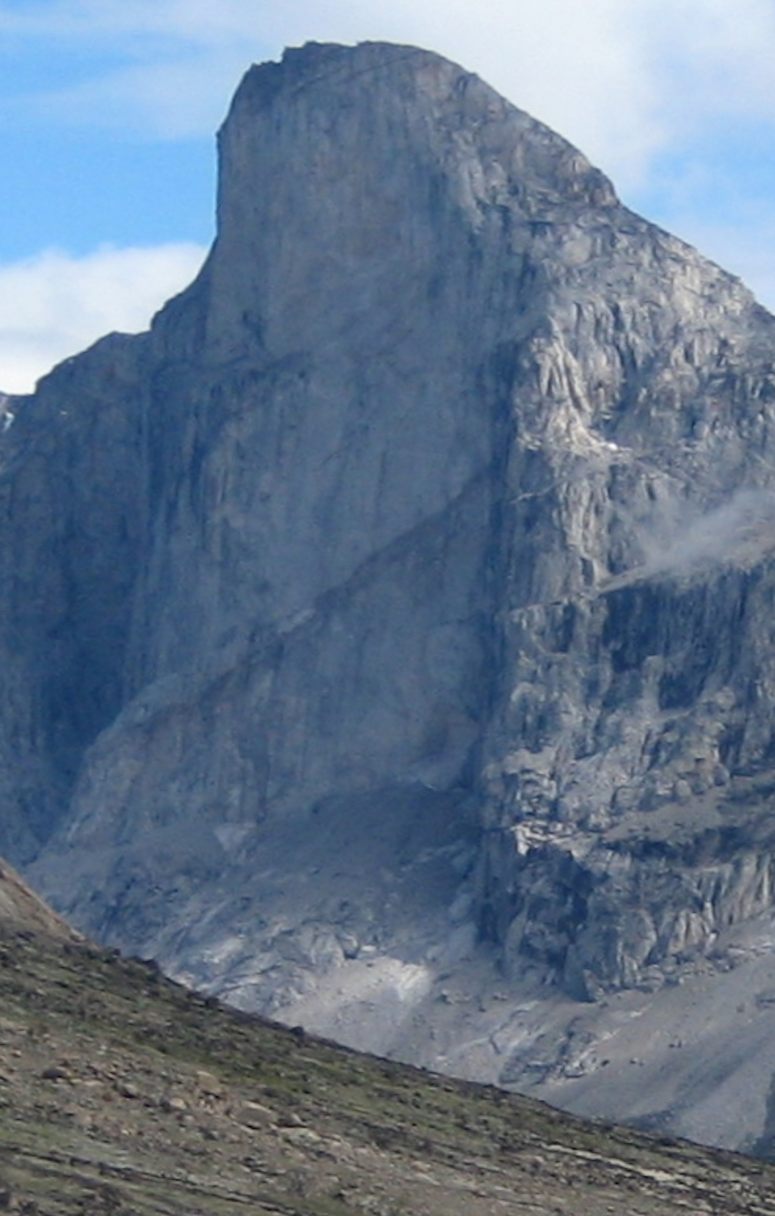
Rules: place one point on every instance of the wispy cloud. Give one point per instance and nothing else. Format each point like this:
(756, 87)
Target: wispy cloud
(53, 305)
(681, 539)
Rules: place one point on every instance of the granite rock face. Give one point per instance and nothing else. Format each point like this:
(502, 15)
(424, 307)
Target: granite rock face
(401, 604)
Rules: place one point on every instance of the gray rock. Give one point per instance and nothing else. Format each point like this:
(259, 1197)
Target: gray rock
(433, 522)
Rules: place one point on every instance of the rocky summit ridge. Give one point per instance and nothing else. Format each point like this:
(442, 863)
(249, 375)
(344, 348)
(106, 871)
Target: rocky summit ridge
(388, 633)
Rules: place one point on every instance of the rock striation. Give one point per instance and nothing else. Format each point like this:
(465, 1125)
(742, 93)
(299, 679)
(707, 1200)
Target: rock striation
(400, 605)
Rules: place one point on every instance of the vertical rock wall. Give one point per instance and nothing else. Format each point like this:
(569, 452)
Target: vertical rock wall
(448, 483)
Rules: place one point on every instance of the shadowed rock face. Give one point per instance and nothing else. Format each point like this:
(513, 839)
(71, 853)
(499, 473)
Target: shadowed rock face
(403, 600)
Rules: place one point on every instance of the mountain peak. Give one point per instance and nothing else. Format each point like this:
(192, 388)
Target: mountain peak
(341, 164)
(449, 102)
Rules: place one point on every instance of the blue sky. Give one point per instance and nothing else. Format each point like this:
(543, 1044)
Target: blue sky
(108, 110)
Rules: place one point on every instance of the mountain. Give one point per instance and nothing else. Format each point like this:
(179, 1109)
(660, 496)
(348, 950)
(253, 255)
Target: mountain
(387, 634)
(122, 1093)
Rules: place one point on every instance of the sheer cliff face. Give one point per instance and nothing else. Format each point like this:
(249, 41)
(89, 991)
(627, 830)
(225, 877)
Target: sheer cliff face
(433, 521)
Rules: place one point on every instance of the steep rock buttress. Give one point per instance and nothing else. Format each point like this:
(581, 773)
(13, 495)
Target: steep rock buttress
(404, 597)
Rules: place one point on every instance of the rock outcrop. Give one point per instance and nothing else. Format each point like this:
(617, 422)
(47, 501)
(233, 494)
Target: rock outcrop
(401, 603)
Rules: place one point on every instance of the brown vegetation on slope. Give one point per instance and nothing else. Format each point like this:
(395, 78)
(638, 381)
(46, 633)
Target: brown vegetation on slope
(123, 1093)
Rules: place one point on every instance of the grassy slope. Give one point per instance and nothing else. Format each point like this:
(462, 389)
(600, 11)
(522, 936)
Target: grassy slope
(122, 1093)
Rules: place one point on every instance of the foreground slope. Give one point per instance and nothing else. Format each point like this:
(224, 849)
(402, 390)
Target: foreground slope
(122, 1093)
(387, 636)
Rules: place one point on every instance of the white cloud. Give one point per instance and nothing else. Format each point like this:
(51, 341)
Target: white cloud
(722, 54)
(54, 304)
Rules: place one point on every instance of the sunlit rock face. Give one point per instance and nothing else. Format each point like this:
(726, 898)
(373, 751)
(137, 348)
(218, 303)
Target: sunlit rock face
(401, 606)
